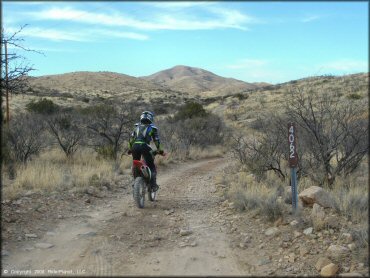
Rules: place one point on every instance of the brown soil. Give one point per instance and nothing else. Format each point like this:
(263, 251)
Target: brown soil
(111, 236)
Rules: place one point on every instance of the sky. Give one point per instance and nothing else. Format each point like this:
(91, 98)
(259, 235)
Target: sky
(271, 42)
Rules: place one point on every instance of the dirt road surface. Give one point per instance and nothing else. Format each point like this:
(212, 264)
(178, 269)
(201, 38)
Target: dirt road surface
(117, 238)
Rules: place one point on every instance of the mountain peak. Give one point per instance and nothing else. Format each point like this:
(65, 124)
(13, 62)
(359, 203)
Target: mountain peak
(197, 80)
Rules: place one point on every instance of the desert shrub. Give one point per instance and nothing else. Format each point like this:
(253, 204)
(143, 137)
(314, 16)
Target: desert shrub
(242, 96)
(190, 110)
(43, 106)
(334, 133)
(248, 194)
(68, 95)
(66, 129)
(180, 136)
(351, 201)
(271, 208)
(354, 96)
(24, 137)
(263, 152)
(109, 126)
(5, 150)
(202, 131)
(105, 152)
(332, 137)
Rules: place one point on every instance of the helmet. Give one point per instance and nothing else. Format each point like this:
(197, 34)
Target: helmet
(147, 117)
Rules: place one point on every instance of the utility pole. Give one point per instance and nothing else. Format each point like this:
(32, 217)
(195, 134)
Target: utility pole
(6, 82)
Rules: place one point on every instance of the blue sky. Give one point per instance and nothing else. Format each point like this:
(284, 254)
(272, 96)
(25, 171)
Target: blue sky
(253, 41)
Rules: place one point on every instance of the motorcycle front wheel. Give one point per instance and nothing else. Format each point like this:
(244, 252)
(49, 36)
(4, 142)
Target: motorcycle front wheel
(139, 192)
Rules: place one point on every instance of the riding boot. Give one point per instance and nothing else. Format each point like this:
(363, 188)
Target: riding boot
(153, 181)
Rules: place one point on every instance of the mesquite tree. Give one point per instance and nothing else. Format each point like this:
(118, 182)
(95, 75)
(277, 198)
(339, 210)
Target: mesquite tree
(66, 129)
(334, 131)
(109, 126)
(332, 137)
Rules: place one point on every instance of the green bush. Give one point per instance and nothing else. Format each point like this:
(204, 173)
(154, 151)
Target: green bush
(100, 109)
(190, 110)
(105, 152)
(354, 96)
(43, 106)
(242, 96)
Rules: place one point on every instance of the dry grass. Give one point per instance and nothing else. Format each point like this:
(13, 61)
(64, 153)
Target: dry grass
(350, 195)
(51, 171)
(209, 152)
(248, 194)
(351, 200)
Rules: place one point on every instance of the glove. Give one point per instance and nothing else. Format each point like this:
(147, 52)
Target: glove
(161, 152)
(129, 152)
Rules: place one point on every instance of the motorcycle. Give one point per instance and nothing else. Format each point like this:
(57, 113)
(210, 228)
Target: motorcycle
(142, 176)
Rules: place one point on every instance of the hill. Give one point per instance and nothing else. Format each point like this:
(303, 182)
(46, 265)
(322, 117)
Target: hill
(87, 83)
(196, 80)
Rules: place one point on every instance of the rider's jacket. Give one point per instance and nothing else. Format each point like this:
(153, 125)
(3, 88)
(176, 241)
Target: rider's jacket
(143, 134)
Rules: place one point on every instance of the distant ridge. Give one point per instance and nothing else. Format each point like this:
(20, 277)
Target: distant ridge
(197, 80)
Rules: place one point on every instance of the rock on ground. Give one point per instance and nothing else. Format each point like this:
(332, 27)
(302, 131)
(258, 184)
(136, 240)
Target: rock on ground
(337, 251)
(272, 231)
(44, 245)
(323, 261)
(184, 232)
(308, 231)
(316, 194)
(329, 270)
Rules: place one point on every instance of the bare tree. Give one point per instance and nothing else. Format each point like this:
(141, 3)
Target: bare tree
(18, 68)
(332, 137)
(335, 132)
(14, 68)
(24, 137)
(66, 130)
(110, 126)
(265, 151)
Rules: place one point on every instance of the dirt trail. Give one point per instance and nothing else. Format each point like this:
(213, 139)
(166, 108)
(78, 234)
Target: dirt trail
(119, 239)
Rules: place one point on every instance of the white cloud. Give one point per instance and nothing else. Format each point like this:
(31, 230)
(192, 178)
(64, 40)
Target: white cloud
(82, 35)
(51, 34)
(217, 18)
(346, 65)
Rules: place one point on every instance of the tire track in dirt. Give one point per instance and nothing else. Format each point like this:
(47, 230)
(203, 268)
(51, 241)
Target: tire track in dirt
(119, 239)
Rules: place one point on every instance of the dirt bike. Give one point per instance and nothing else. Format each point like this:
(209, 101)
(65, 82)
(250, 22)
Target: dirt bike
(142, 175)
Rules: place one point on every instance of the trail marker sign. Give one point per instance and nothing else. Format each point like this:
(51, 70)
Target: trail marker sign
(293, 163)
(293, 156)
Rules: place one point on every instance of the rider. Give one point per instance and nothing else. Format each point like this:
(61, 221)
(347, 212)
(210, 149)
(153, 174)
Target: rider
(139, 143)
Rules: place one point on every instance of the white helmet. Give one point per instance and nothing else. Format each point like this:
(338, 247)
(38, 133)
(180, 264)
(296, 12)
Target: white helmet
(147, 117)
